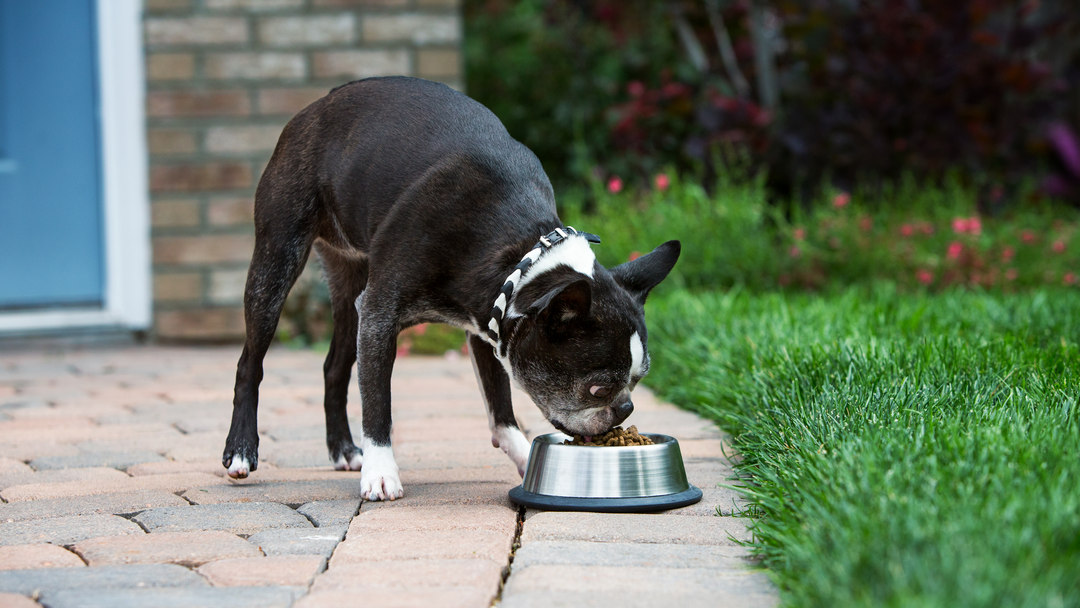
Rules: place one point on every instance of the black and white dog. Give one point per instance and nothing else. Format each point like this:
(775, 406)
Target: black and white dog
(424, 209)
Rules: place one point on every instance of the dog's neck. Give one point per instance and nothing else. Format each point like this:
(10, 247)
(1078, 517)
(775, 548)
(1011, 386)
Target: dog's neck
(560, 247)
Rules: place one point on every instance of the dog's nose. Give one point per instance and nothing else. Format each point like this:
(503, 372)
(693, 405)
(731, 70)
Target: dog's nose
(623, 411)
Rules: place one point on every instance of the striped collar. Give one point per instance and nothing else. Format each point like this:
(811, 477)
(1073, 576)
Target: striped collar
(506, 294)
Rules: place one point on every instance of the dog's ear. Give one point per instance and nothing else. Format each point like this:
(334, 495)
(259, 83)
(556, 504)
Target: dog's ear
(641, 275)
(565, 302)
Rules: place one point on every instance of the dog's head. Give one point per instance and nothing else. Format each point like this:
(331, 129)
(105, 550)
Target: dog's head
(580, 344)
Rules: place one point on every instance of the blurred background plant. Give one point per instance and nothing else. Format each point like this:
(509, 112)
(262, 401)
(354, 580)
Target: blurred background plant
(849, 92)
(916, 236)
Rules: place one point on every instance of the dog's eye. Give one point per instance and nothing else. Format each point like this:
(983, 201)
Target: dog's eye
(600, 392)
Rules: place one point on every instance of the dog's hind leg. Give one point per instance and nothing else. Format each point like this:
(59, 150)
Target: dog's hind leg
(347, 276)
(283, 235)
(495, 385)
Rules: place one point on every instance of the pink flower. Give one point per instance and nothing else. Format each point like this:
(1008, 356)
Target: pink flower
(955, 249)
(907, 230)
(969, 225)
(1027, 236)
(420, 329)
(1069, 278)
(636, 88)
(841, 200)
(662, 182)
(614, 185)
(1011, 274)
(799, 234)
(634, 255)
(924, 276)
(974, 225)
(1007, 254)
(1058, 246)
(794, 252)
(926, 228)
(866, 223)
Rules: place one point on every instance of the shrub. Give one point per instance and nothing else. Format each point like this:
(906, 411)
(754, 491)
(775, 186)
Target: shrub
(844, 92)
(894, 87)
(551, 70)
(927, 237)
(726, 237)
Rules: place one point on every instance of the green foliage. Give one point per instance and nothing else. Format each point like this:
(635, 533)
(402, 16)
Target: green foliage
(551, 72)
(430, 339)
(898, 449)
(726, 238)
(916, 235)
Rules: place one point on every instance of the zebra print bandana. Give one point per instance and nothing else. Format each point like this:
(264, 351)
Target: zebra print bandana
(498, 311)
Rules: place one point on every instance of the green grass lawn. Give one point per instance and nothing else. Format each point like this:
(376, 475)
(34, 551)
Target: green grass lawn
(900, 449)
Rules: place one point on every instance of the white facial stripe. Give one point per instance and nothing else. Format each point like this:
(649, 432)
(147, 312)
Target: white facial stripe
(573, 252)
(637, 356)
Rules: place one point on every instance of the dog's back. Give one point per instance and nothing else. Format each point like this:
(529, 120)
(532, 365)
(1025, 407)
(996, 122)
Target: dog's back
(370, 146)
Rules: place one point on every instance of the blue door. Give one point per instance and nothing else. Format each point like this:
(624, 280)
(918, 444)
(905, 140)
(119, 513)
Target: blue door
(51, 236)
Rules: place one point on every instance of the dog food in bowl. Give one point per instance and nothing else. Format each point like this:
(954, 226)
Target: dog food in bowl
(615, 437)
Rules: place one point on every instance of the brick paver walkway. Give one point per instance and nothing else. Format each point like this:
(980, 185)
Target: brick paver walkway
(114, 496)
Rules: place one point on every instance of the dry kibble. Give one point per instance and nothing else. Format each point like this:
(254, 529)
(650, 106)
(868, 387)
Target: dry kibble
(616, 437)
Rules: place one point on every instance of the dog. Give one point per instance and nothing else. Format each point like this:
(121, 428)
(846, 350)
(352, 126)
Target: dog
(422, 209)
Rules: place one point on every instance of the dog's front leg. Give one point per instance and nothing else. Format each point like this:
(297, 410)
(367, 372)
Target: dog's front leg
(376, 349)
(495, 385)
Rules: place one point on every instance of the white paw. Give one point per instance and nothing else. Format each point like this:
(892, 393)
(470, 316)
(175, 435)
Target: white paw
(380, 487)
(239, 467)
(379, 479)
(513, 443)
(351, 464)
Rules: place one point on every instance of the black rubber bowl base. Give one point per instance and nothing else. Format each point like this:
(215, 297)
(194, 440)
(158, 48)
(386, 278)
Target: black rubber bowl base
(639, 504)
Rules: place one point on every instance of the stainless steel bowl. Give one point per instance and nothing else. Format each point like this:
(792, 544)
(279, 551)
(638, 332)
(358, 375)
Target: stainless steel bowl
(587, 478)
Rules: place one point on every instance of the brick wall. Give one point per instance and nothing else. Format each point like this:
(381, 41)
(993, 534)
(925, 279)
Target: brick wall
(223, 78)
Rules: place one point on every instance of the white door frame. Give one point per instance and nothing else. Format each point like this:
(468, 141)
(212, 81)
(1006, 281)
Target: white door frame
(126, 208)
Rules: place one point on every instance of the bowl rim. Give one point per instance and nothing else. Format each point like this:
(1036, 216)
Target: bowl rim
(555, 440)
